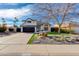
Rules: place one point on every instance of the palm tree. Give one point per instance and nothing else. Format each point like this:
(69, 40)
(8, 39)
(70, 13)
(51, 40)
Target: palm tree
(3, 21)
(15, 21)
(4, 24)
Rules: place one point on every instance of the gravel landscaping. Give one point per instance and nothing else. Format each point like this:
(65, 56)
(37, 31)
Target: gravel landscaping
(56, 39)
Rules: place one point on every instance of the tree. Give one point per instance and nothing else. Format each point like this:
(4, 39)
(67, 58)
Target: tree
(58, 12)
(3, 21)
(15, 21)
(4, 27)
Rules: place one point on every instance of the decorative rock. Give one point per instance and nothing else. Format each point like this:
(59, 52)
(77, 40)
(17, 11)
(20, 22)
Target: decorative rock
(59, 39)
(36, 42)
(68, 39)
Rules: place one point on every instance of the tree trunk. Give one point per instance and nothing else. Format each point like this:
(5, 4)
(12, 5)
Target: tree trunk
(59, 29)
(70, 27)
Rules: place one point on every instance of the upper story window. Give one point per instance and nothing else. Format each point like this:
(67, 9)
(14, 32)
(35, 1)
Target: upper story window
(46, 25)
(28, 21)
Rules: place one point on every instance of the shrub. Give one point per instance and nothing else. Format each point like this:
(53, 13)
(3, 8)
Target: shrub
(11, 29)
(3, 29)
(66, 31)
(55, 30)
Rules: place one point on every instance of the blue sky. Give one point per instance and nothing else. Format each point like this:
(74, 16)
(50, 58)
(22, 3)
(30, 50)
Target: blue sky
(12, 5)
(20, 10)
(11, 10)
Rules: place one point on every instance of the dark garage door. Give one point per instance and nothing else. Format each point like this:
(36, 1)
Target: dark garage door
(28, 29)
(18, 29)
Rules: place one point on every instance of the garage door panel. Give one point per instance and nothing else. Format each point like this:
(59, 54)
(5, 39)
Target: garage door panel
(18, 29)
(28, 29)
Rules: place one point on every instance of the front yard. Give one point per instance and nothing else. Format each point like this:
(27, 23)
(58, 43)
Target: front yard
(54, 38)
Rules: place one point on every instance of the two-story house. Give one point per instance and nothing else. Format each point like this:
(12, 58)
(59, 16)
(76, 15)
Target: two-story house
(31, 25)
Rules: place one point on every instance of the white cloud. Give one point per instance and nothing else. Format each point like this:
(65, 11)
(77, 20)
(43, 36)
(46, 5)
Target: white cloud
(10, 13)
(8, 3)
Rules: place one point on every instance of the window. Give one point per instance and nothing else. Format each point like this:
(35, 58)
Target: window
(46, 25)
(29, 21)
(45, 28)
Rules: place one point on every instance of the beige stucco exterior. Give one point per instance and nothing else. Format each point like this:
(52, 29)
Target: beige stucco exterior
(46, 27)
(33, 23)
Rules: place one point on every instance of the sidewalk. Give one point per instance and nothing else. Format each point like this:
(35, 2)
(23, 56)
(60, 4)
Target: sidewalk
(51, 50)
(40, 50)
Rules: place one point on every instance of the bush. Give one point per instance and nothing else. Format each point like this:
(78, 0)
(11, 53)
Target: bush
(66, 31)
(3, 29)
(55, 30)
(11, 29)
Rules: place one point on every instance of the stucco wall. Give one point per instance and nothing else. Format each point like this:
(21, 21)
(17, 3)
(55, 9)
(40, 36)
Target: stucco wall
(33, 23)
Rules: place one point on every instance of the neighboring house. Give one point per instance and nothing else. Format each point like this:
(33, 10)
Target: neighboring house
(31, 25)
(73, 24)
(64, 26)
(75, 27)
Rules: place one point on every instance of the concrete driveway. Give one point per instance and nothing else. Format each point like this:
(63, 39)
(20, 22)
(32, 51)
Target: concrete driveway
(17, 38)
(14, 44)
